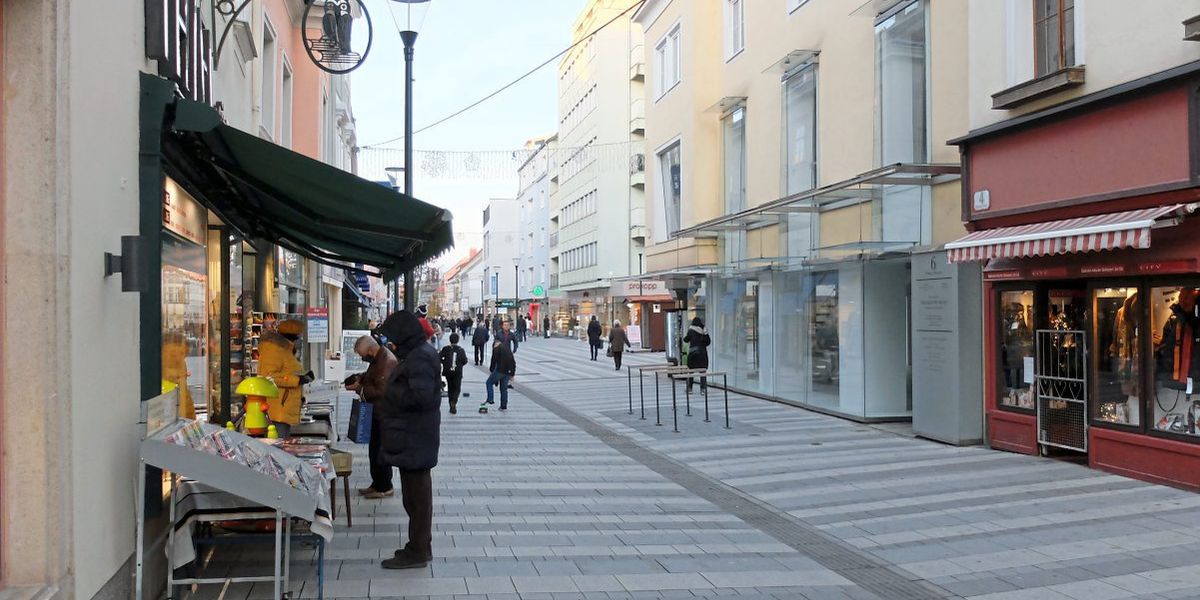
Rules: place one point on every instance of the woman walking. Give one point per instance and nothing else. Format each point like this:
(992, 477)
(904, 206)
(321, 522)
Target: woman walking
(594, 332)
(698, 341)
(617, 342)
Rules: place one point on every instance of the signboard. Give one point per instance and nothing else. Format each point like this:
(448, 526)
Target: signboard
(538, 291)
(178, 40)
(635, 335)
(318, 324)
(181, 213)
(506, 304)
(351, 361)
(629, 289)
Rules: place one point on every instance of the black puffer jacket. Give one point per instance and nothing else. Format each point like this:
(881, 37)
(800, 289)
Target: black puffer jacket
(410, 415)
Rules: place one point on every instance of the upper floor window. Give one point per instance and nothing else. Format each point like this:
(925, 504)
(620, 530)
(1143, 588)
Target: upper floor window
(1054, 35)
(734, 140)
(672, 191)
(901, 76)
(667, 59)
(269, 74)
(735, 27)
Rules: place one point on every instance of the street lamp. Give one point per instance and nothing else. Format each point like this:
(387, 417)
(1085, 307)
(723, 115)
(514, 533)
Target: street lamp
(408, 14)
(516, 285)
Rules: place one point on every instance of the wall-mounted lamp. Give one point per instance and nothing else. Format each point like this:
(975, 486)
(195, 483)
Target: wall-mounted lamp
(132, 278)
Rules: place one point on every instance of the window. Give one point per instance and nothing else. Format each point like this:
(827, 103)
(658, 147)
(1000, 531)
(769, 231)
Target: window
(800, 155)
(268, 80)
(733, 134)
(1175, 368)
(285, 131)
(672, 189)
(1054, 35)
(1016, 349)
(667, 59)
(735, 27)
(1118, 369)
(900, 40)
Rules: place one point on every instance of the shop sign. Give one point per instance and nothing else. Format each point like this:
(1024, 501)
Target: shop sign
(1102, 270)
(181, 213)
(177, 38)
(634, 332)
(506, 304)
(538, 291)
(1166, 266)
(318, 324)
(1050, 272)
(638, 288)
(1002, 275)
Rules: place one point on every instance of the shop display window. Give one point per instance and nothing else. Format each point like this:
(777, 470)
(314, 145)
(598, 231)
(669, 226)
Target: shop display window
(1016, 349)
(185, 321)
(825, 357)
(1118, 355)
(1175, 330)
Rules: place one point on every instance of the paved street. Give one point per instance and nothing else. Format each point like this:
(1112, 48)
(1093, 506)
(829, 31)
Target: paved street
(567, 496)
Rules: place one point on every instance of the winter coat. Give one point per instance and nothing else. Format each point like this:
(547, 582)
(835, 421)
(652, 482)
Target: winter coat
(617, 340)
(546, 324)
(698, 341)
(508, 340)
(521, 326)
(503, 361)
(459, 357)
(374, 382)
(277, 362)
(481, 336)
(594, 332)
(410, 415)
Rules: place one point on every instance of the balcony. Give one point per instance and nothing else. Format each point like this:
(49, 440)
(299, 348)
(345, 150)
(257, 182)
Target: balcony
(554, 240)
(637, 116)
(637, 63)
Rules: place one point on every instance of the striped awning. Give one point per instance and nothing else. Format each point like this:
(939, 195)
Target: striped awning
(1083, 234)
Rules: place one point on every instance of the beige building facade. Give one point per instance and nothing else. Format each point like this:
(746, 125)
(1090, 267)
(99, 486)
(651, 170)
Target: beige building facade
(797, 175)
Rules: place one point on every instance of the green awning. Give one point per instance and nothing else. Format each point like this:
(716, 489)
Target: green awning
(266, 191)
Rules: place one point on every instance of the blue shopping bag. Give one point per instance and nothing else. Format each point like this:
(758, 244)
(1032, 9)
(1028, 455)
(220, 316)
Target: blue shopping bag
(361, 414)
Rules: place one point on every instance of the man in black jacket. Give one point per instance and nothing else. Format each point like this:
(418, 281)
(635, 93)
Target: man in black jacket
(479, 339)
(503, 368)
(453, 358)
(411, 431)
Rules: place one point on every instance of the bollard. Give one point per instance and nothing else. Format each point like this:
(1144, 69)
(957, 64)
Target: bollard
(657, 410)
(629, 378)
(642, 387)
(725, 381)
(674, 402)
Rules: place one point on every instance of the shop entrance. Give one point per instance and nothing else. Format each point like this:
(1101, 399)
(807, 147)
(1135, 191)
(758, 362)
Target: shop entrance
(1061, 384)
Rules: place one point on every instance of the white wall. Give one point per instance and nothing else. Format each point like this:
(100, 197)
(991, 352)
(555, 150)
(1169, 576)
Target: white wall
(500, 233)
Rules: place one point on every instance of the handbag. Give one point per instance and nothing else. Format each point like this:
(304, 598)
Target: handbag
(361, 414)
(609, 352)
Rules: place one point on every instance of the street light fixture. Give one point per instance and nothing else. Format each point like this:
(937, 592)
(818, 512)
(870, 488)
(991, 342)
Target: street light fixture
(516, 285)
(409, 15)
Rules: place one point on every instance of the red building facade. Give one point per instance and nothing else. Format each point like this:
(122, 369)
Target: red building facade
(1083, 215)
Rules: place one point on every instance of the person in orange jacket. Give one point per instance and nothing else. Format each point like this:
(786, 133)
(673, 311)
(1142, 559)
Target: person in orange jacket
(277, 361)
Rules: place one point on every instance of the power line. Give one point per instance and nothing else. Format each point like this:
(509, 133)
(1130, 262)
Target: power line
(515, 81)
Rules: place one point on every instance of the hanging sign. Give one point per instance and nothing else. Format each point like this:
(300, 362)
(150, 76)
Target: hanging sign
(181, 213)
(318, 324)
(178, 40)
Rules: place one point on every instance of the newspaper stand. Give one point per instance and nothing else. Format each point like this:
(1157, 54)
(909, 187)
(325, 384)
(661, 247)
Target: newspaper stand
(281, 500)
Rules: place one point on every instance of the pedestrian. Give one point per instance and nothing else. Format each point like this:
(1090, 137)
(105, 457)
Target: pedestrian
(411, 431)
(277, 361)
(478, 339)
(617, 342)
(464, 327)
(698, 341)
(422, 312)
(497, 321)
(438, 332)
(503, 368)
(372, 388)
(453, 359)
(594, 331)
(507, 337)
(522, 328)
(546, 327)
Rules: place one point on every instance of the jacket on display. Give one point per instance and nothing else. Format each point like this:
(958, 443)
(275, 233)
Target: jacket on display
(410, 416)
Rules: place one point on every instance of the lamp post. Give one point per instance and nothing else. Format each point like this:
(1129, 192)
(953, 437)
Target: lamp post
(516, 286)
(409, 14)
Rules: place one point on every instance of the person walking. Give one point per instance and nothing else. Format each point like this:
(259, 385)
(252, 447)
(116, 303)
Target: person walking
(503, 368)
(372, 388)
(453, 358)
(617, 342)
(464, 327)
(698, 341)
(522, 328)
(594, 331)
(546, 327)
(411, 431)
(478, 339)
(497, 321)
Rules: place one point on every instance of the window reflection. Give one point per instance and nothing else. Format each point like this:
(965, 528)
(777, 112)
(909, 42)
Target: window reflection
(1117, 342)
(1174, 324)
(1016, 348)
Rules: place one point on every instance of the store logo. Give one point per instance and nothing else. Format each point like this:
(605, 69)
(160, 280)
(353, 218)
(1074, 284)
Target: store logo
(178, 40)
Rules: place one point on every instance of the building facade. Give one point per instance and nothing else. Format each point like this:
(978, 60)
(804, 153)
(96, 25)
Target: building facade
(800, 192)
(1081, 180)
(533, 229)
(597, 218)
(501, 256)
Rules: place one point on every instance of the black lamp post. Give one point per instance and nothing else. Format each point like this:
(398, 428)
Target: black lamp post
(409, 15)
(516, 287)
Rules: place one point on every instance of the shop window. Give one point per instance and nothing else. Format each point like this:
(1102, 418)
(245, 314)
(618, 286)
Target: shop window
(825, 346)
(1118, 341)
(1174, 327)
(1016, 349)
(185, 322)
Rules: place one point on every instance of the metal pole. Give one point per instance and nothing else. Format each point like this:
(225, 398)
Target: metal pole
(516, 293)
(705, 390)
(140, 492)
(688, 393)
(674, 402)
(409, 38)
(657, 411)
(629, 377)
(725, 382)
(642, 387)
(278, 551)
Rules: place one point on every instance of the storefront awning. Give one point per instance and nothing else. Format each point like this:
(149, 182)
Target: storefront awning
(266, 191)
(1094, 233)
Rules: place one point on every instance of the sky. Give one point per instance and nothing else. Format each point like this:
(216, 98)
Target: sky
(465, 50)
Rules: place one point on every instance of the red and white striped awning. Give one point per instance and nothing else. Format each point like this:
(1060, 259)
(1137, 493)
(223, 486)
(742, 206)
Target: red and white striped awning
(1083, 234)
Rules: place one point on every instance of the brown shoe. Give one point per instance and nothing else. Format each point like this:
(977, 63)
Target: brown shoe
(366, 491)
(374, 495)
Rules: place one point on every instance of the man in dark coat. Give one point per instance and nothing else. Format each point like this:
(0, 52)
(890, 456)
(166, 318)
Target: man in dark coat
(546, 327)
(594, 332)
(411, 431)
(372, 387)
(502, 369)
(507, 337)
(522, 328)
(479, 339)
(697, 341)
(453, 358)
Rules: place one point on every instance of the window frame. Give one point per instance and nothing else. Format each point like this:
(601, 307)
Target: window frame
(734, 28)
(672, 40)
(1038, 48)
(1040, 305)
(663, 183)
(287, 90)
(1145, 354)
(267, 95)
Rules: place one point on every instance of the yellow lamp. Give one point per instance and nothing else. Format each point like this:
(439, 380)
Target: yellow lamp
(256, 390)
(168, 385)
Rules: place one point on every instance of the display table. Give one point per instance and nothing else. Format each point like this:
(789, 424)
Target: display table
(220, 475)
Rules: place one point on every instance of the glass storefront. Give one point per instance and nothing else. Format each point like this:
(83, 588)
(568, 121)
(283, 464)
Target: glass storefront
(1118, 339)
(1016, 349)
(1176, 364)
(185, 321)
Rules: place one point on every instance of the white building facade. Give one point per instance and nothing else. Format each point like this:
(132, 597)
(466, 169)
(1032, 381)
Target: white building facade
(501, 255)
(533, 230)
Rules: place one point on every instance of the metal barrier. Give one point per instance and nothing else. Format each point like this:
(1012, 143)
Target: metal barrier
(674, 373)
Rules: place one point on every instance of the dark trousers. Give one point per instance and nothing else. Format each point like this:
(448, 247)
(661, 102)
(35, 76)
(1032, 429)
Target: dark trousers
(479, 354)
(595, 351)
(501, 379)
(454, 387)
(617, 358)
(416, 493)
(381, 474)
